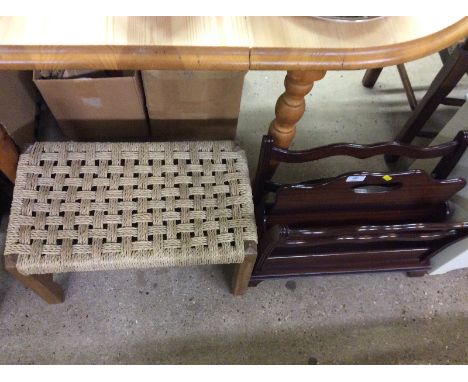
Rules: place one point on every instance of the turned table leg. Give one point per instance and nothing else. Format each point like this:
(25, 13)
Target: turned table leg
(291, 105)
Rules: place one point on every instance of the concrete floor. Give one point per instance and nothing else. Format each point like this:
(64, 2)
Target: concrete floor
(187, 315)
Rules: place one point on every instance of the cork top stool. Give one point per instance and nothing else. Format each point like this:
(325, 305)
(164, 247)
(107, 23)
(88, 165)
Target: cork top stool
(103, 206)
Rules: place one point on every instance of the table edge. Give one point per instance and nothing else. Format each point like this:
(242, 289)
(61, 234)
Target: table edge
(123, 57)
(358, 58)
(135, 57)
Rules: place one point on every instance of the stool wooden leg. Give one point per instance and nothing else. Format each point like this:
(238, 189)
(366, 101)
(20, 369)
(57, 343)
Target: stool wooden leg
(42, 285)
(243, 271)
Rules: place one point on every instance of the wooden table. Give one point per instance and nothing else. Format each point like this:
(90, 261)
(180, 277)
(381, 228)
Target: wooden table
(306, 47)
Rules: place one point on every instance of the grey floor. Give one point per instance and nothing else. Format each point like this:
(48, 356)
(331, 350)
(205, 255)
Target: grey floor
(187, 315)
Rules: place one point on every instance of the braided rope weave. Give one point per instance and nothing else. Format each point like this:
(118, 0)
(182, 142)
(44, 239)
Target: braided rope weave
(100, 206)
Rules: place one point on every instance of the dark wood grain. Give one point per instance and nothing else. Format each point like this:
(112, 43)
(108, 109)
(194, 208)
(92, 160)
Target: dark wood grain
(448, 162)
(410, 196)
(363, 151)
(354, 249)
(371, 222)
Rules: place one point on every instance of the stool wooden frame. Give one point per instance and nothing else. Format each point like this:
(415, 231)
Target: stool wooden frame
(224, 191)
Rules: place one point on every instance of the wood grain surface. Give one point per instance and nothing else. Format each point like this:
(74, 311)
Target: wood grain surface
(192, 43)
(309, 43)
(221, 43)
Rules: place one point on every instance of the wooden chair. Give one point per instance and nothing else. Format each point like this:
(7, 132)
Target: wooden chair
(454, 68)
(356, 222)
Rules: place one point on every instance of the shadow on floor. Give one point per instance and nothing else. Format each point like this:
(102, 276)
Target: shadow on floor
(436, 341)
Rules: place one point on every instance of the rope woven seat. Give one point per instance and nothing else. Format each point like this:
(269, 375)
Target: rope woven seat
(102, 206)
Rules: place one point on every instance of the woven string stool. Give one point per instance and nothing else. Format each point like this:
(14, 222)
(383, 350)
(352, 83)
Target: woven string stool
(102, 206)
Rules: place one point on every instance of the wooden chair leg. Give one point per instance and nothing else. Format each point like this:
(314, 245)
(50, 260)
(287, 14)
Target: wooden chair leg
(407, 86)
(444, 82)
(42, 285)
(243, 271)
(370, 77)
(444, 55)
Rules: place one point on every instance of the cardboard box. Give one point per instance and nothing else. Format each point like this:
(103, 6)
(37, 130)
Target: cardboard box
(18, 106)
(191, 105)
(102, 109)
